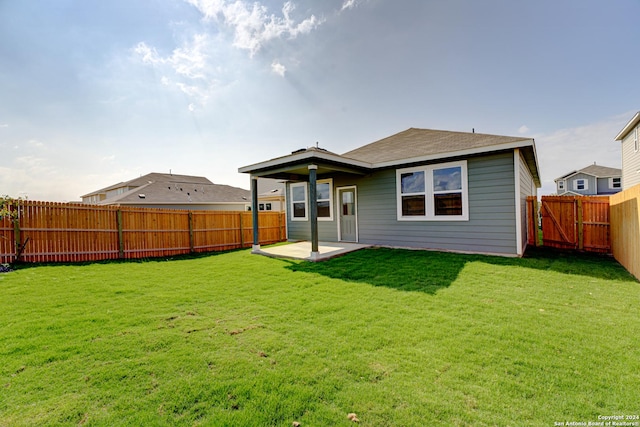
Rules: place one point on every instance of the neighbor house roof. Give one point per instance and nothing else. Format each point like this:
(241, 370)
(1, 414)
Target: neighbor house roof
(410, 146)
(628, 127)
(595, 170)
(159, 188)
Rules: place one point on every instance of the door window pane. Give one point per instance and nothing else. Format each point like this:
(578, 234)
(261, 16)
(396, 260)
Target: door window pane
(348, 205)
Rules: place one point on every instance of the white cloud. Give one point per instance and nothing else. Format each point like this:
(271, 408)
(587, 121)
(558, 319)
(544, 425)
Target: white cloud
(278, 68)
(252, 24)
(566, 150)
(189, 65)
(191, 68)
(349, 4)
(523, 129)
(4, 125)
(189, 61)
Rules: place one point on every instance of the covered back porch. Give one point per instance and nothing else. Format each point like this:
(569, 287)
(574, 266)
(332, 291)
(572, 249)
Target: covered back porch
(306, 166)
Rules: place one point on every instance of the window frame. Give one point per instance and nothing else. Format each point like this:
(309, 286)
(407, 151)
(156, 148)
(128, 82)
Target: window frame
(330, 199)
(612, 184)
(305, 186)
(585, 183)
(430, 193)
(561, 184)
(305, 201)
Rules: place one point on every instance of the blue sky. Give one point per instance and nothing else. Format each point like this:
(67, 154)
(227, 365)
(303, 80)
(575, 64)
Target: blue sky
(96, 92)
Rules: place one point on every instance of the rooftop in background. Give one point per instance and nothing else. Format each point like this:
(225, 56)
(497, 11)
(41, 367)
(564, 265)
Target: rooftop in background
(168, 189)
(595, 170)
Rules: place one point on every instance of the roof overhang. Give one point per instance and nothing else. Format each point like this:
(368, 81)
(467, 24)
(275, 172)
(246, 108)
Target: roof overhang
(632, 124)
(296, 165)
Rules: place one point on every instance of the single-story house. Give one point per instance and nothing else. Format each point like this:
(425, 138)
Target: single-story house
(170, 191)
(420, 188)
(594, 180)
(630, 152)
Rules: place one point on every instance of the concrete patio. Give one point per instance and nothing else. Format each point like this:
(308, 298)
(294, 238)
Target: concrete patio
(302, 250)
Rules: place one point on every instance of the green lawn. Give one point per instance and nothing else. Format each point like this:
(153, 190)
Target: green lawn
(401, 338)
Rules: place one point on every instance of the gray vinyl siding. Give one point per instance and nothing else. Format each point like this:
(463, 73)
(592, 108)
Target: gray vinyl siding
(630, 161)
(490, 229)
(604, 187)
(491, 225)
(300, 230)
(592, 185)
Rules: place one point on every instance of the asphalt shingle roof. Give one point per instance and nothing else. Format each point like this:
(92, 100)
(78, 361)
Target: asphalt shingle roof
(167, 188)
(415, 143)
(595, 170)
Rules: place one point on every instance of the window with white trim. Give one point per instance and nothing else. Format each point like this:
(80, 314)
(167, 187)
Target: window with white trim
(615, 183)
(299, 201)
(561, 184)
(324, 189)
(580, 184)
(433, 192)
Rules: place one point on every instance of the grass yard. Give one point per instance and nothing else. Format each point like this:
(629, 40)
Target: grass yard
(400, 338)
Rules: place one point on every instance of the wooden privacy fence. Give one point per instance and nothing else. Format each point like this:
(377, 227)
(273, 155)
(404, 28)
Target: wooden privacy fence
(571, 222)
(625, 229)
(67, 232)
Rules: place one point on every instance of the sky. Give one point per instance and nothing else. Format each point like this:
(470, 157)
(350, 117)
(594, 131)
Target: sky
(97, 92)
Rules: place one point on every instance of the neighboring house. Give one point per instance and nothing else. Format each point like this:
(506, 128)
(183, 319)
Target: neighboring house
(271, 195)
(169, 191)
(419, 188)
(594, 180)
(630, 152)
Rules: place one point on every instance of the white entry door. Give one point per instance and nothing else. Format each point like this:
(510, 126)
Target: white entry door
(348, 220)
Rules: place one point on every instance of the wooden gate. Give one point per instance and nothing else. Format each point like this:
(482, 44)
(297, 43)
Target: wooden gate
(576, 222)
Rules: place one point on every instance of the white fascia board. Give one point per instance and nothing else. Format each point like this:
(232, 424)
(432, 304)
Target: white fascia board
(632, 123)
(299, 157)
(461, 153)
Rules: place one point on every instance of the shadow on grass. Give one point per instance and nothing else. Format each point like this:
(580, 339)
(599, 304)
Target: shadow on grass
(428, 271)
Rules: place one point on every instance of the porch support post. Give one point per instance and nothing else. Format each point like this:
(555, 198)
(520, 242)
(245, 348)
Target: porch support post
(313, 211)
(254, 213)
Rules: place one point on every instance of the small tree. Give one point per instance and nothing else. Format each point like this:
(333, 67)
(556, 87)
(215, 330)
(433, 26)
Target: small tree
(9, 208)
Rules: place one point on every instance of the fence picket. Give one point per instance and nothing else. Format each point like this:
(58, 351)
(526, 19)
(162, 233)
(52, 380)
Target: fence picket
(65, 232)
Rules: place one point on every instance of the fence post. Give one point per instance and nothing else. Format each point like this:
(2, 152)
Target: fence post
(241, 232)
(16, 235)
(120, 234)
(281, 229)
(191, 244)
(580, 226)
